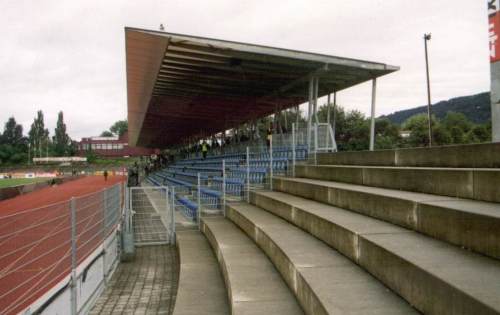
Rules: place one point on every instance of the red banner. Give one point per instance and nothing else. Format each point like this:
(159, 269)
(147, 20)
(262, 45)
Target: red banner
(494, 29)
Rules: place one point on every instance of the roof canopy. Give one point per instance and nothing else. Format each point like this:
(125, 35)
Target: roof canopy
(181, 86)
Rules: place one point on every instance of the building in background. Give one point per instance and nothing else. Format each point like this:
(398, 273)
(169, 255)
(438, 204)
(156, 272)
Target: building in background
(112, 147)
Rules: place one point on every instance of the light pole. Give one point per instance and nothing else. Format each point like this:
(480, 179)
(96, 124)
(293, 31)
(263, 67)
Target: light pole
(427, 37)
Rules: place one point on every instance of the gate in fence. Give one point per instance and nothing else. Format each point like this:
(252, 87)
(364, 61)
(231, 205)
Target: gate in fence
(151, 215)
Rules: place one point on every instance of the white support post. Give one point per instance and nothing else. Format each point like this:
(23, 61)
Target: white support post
(297, 113)
(328, 117)
(334, 120)
(309, 113)
(372, 126)
(199, 202)
(224, 187)
(167, 217)
(293, 150)
(248, 175)
(74, 310)
(328, 109)
(315, 143)
(271, 164)
(172, 211)
(316, 91)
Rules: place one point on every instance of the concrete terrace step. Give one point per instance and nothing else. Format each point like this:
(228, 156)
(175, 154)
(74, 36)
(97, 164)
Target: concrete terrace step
(433, 276)
(472, 155)
(323, 280)
(201, 288)
(472, 183)
(253, 284)
(467, 223)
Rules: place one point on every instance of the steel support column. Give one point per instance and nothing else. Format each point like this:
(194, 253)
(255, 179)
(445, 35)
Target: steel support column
(316, 88)
(309, 112)
(372, 127)
(334, 120)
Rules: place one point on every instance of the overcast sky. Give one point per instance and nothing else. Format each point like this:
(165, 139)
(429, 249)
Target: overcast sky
(69, 55)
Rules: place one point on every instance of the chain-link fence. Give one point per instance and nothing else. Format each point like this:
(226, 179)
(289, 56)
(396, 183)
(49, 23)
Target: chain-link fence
(41, 247)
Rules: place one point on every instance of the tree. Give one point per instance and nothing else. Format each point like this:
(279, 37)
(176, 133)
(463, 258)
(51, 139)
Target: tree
(13, 133)
(478, 134)
(61, 139)
(106, 133)
(13, 147)
(38, 135)
(457, 125)
(418, 127)
(119, 127)
(387, 134)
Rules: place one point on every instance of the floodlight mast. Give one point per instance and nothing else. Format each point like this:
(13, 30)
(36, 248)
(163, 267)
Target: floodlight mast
(427, 37)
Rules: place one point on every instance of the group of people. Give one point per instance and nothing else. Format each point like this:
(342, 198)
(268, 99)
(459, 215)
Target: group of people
(146, 166)
(213, 145)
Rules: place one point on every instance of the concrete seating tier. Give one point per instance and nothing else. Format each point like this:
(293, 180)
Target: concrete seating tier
(471, 224)
(472, 183)
(383, 232)
(323, 280)
(473, 155)
(253, 285)
(201, 288)
(432, 275)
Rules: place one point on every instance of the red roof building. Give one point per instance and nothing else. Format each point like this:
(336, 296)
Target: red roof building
(112, 147)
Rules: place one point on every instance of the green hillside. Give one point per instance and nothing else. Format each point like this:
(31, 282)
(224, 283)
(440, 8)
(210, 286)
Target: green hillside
(475, 107)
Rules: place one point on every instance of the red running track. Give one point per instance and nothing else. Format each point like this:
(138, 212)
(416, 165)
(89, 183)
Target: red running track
(35, 236)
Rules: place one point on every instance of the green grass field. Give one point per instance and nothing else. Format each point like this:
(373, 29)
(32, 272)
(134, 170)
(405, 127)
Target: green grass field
(19, 181)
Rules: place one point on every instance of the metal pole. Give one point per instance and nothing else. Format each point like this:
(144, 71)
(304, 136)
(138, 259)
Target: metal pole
(372, 127)
(271, 163)
(169, 236)
(315, 143)
(334, 113)
(293, 150)
(316, 90)
(309, 112)
(297, 113)
(172, 216)
(199, 202)
(73, 297)
(224, 187)
(427, 37)
(328, 109)
(248, 174)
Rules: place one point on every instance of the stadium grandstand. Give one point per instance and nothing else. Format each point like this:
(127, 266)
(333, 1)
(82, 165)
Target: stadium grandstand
(280, 224)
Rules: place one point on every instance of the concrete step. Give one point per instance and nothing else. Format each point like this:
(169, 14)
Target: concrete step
(254, 286)
(323, 280)
(472, 183)
(470, 155)
(201, 288)
(433, 276)
(471, 224)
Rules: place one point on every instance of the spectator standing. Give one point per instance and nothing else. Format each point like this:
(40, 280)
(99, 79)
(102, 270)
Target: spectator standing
(204, 149)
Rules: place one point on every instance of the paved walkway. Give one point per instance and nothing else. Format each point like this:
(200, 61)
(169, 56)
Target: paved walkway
(147, 285)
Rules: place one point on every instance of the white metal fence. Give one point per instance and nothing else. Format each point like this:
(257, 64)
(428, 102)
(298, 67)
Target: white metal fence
(41, 248)
(151, 215)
